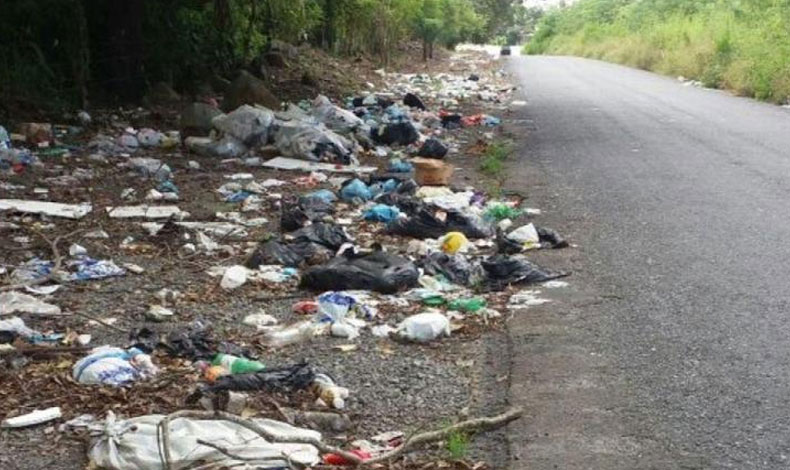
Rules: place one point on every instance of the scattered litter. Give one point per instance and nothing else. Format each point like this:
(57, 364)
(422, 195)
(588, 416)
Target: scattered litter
(52, 209)
(146, 212)
(33, 418)
(13, 302)
(283, 163)
(108, 365)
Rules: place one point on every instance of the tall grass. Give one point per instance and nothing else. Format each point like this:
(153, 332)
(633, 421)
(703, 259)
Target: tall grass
(740, 45)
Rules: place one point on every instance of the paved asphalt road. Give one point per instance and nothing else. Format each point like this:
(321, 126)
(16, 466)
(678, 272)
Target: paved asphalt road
(671, 349)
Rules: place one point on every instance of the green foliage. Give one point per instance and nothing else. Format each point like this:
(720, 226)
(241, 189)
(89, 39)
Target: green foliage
(458, 445)
(494, 158)
(55, 51)
(734, 44)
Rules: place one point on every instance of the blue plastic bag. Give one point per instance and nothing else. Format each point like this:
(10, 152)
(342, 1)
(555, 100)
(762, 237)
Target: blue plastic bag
(382, 213)
(356, 189)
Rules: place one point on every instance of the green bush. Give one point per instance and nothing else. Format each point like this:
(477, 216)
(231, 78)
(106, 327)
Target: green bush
(743, 46)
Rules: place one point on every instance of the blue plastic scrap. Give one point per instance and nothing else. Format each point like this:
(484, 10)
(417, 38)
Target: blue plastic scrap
(324, 195)
(382, 213)
(400, 166)
(356, 189)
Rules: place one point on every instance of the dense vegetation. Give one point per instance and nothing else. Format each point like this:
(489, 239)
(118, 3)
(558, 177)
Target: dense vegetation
(68, 51)
(736, 44)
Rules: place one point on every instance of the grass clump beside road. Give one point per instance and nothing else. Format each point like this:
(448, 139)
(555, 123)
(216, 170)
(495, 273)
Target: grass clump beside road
(730, 44)
(494, 158)
(458, 445)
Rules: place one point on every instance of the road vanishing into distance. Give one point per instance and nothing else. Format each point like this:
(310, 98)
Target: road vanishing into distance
(671, 347)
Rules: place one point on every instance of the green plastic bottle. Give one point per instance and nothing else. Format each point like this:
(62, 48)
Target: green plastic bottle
(468, 305)
(237, 365)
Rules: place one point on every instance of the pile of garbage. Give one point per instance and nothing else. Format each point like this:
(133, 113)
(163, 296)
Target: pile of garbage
(348, 208)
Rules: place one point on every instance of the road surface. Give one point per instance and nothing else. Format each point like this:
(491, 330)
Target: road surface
(671, 348)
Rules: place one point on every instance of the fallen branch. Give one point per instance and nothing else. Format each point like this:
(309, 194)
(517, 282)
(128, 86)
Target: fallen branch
(470, 426)
(100, 322)
(53, 245)
(241, 458)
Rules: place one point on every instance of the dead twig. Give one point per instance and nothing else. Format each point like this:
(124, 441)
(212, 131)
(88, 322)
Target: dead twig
(469, 426)
(230, 454)
(100, 322)
(53, 245)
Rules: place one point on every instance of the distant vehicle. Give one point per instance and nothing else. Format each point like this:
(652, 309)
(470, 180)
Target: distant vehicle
(505, 50)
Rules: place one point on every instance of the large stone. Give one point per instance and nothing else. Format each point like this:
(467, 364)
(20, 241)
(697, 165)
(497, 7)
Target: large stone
(288, 50)
(247, 89)
(196, 119)
(161, 94)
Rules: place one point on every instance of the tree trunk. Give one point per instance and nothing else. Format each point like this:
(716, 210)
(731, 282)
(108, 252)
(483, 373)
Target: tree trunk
(425, 50)
(81, 63)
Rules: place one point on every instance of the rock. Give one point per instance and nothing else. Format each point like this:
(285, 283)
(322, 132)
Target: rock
(247, 89)
(161, 94)
(275, 59)
(196, 119)
(288, 50)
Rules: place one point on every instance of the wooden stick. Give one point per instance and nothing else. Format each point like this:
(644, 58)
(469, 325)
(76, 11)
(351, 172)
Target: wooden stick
(473, 425)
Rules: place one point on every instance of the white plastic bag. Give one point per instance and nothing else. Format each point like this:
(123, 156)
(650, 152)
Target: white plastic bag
(235, 276)
(249, 124)
(526, 234)
(424, 327)
(108, 365)
(134, 444)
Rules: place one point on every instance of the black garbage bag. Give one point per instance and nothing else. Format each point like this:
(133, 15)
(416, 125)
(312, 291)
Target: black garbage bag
(413, 101)
(193, 343)
(292, 254)
(552, 238)
(279, 379)
(297, 213)
(456, 268)
(426, 223)
(377, 271)
(433, 148)
(451, 121)
(502, 271)
(329, 235)
(398, 133)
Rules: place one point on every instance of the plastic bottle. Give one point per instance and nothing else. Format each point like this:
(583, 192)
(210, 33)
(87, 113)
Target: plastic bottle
(237, 365)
